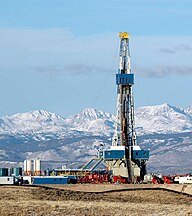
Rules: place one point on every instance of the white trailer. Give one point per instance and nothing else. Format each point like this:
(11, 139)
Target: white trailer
(183, 179)
(7, 180)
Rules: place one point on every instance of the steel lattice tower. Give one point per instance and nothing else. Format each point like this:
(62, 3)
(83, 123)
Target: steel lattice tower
(125, 160)
(125, 127)
(125, 134)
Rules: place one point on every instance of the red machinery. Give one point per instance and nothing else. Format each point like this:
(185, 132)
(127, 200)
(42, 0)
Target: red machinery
(119, 179)
(168, 179)
(94, 178)
(162, 180)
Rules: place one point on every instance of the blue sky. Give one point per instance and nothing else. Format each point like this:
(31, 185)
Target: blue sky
(62, 55)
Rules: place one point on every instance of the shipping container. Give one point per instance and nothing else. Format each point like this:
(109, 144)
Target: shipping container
(50, 180)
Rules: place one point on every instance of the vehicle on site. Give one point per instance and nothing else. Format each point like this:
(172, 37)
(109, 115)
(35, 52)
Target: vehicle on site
(183, 179)
(10, 180)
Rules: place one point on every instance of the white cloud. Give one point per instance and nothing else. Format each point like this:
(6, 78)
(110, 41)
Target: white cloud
(164, 71)
(58, 52)
(58, 47)
(177, 49)
(75, 69)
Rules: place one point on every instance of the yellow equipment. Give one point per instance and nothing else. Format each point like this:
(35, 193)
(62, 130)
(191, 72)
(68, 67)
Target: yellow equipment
(123, 35)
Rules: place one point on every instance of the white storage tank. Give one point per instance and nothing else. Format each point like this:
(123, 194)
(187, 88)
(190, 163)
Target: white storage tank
(27, 167)
(37, 167)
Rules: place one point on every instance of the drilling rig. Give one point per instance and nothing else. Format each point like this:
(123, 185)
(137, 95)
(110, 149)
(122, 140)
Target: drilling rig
(125, 159)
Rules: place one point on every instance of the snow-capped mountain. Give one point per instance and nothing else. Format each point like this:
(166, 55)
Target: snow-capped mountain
(165, 129)
(40, 121)
(163, 119)
(150, 119)
(94, 121)
(34, 121)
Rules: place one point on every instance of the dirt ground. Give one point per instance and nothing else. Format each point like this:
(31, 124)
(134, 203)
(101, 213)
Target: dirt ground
(25, 200)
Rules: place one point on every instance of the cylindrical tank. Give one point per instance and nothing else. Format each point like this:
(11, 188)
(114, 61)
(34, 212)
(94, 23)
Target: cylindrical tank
(27, 167)
(37, 167)
(4, 171)
(16, 171)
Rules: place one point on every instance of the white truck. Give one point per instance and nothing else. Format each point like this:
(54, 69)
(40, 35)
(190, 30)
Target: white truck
(183, 179)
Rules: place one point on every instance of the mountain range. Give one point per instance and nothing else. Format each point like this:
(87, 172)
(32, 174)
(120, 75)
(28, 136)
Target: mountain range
(164, 129)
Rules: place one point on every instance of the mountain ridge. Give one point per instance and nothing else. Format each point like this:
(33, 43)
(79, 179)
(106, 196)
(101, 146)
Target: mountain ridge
(162, 118)
(164, 129)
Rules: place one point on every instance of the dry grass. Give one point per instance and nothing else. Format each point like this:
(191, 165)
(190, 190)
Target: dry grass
(31, 201)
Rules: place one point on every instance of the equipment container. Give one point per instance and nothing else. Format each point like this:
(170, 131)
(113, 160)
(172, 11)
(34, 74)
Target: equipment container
(16, 171)
(7, 180)
(3, 171)
(50, 180)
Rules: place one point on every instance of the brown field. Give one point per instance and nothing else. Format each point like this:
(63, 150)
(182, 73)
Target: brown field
(28, 200)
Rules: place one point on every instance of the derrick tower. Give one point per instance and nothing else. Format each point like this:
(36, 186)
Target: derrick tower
(125, 126)
(127, 159)
(125, 129)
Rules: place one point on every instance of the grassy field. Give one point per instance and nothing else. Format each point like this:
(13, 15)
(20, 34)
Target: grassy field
(33, 201)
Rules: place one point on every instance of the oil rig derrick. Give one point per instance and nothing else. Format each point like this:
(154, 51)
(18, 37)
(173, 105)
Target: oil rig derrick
(125, 159)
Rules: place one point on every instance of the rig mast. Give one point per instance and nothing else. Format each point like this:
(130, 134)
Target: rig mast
(124, 159)
(125, 136)
(125, 126)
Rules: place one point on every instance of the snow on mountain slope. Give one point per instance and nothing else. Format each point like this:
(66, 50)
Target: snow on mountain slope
(38, 120)
(91, 114)
(162, 119)
(151, 119)
(92, 120)
(188, 110)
